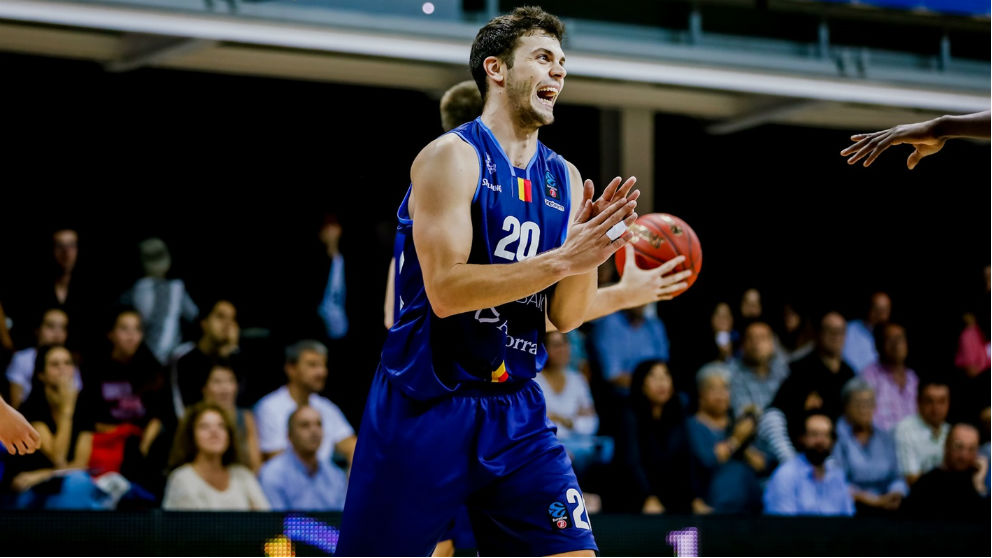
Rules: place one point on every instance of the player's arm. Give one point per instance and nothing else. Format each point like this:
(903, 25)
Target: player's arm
(444, 176)
(16, 433)
(638, 287)
(927, 137)
(387, 307)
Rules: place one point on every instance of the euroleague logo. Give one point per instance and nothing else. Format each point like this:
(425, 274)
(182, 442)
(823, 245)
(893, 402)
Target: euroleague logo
(551, 186)
(559, 515)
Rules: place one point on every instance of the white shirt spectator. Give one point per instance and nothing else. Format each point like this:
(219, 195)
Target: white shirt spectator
(567, 404)
(917, 449)
(272, 416)
(185, 490)
(162, 303)
(21, 370)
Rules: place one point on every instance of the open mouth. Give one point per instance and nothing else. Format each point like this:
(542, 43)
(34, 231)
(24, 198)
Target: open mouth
(547, 95)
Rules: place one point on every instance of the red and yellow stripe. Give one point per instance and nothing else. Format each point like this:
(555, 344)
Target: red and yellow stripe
(524, 190)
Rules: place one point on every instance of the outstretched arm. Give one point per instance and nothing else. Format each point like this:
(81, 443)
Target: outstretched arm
(444, 178)
(16, 433)
(927, 137)
(638, 287)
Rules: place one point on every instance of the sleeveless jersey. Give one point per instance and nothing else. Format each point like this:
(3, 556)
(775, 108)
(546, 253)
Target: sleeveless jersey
(516, 214)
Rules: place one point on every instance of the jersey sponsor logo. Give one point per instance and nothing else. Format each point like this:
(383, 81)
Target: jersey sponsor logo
(524, 190)
(554, 205)
(551, 186)
(558, 514)
(491, 186)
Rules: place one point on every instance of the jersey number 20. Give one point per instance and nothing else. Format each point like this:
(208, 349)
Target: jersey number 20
(529, 235)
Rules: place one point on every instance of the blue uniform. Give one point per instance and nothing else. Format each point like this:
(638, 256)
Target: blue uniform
(454, 417)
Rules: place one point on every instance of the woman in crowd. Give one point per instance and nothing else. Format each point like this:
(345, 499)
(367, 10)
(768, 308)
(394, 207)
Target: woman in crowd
(221, 389)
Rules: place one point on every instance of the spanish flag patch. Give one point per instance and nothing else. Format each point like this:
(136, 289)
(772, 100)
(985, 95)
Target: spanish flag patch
(500, 374)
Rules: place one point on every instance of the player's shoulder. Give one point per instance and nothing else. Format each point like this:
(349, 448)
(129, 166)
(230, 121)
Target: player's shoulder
(448, 149)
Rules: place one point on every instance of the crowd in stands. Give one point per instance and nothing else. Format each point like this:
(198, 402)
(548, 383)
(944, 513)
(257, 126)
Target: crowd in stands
(151, 402)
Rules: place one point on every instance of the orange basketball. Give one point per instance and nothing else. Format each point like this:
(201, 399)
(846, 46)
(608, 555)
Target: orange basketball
(659, 237)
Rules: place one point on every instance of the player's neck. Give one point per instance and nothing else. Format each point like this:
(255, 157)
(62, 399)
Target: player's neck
(518, 141)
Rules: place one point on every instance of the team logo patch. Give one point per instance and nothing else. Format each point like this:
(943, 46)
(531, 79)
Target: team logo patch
(551, 186)
(559, 515)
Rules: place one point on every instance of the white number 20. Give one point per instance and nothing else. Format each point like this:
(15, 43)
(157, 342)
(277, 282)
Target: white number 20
(574, 497)
(529, 235)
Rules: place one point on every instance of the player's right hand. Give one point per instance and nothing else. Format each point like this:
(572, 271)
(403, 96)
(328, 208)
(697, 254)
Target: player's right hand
(16, 433)
(643, 286)
(920, 135)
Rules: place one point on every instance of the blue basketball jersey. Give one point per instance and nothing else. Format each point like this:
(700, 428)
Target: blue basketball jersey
(516, 214)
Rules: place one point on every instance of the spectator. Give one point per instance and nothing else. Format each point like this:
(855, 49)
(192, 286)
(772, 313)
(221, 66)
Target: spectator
(970, 386)
(866, 454)
(809, 483)
(758, 373)
(859, 346)
(922, 437)
(130, 405)
(6, 342)
(332, 306)
(751, 309)
(219, 341)
(221, 389)
(655, 443)
(724, 335)
(208, 473)
(815, 382)
(895, 384)
(570, 407)
(161, 302)
(724, 462)
(956, 489)
(52, 330)
(306, 370)
(625, 338)
(56, 477)
(797, 338)
(298, 479)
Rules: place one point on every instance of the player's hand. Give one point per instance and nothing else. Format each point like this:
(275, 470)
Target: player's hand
(16, 433)
(643, 286)
(613, 191)
(920, 135)
(587, 245)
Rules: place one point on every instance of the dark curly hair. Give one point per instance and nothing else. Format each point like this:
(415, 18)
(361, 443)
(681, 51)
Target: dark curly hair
(499, 38)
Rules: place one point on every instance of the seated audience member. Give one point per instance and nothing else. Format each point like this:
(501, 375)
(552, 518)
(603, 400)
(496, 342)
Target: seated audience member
(895, 384)
(570, 407)
(654, 449)
(922, 437)
(956, 489)
(625, 338)
(724, 462)
(221, 388)
(219, 341)
(55, 477)
(758, 373)
(163, 303)
(797, 333)
(859, 343)
(866, 454)
(297, 479)
(815, 382)
(751, 309)
(306, 370)
(725, 338)
(970, 383)
(52, 330)
(127, 394)
(208, 473)
(809, 483)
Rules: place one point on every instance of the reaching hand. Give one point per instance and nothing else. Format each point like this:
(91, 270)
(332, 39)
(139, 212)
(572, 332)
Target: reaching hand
(587, 245)
(920, 135)
(643, 286)
(16, 433)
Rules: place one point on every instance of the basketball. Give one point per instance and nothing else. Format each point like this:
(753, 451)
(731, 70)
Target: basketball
(659, 237)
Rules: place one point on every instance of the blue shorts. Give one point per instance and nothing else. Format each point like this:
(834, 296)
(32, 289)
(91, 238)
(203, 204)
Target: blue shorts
(491, 449)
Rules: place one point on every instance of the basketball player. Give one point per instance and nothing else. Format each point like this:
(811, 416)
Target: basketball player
(637, 287)
(927, 137)
(16, 433)
(498, 231)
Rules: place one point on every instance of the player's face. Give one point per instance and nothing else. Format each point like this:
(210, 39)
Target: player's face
(54, 328)
(658, 385)
(307, 431)
(536, 79)
(210, 433)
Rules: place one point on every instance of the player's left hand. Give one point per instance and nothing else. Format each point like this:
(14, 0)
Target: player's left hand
(614, 191)
(643, 286)
(16, 433)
